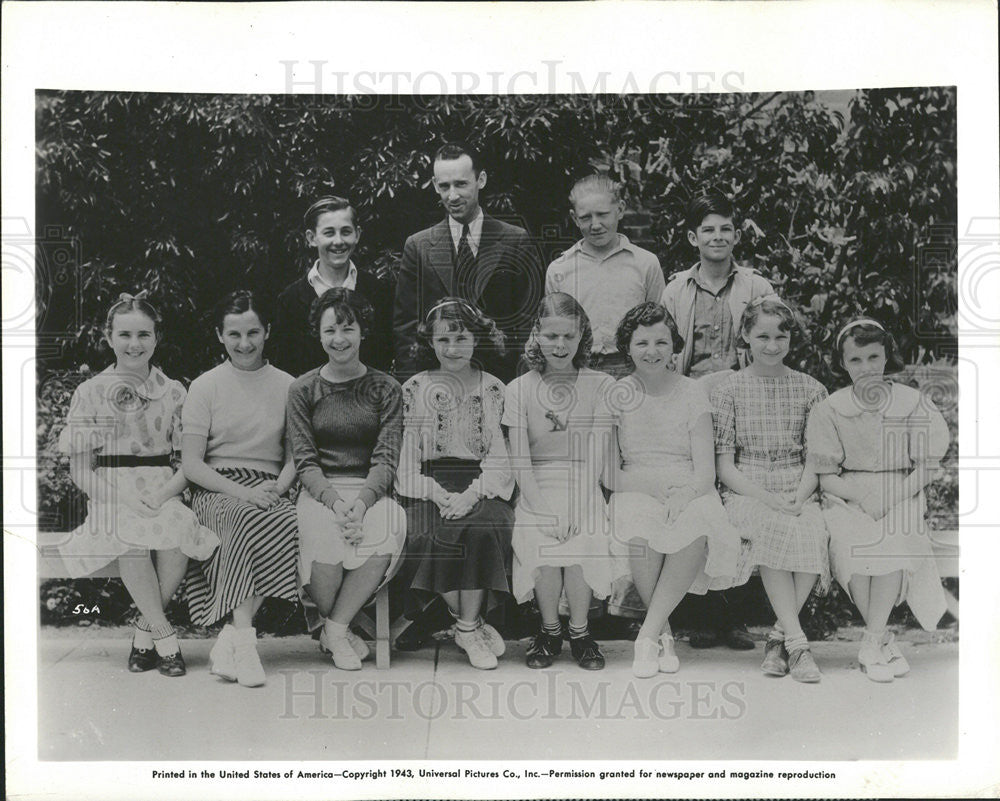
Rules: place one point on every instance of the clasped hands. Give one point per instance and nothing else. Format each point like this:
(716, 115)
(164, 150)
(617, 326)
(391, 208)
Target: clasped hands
(454, 505)
(350, 517)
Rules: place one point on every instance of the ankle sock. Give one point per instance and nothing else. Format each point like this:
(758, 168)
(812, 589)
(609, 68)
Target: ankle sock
(165, 640)
(575, 632)
(793, 643)
(552, 629)
(143, 637)
(467, 625)
(335, 630)
(777, 633)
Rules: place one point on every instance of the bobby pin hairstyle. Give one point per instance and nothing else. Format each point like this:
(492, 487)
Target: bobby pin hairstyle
(770, 305)
(646, 314)
(865, 331)
(457, 314)
(349, 306)
(239, 301)
(559, 304)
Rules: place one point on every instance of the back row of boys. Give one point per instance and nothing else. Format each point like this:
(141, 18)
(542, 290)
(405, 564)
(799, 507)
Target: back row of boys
(496, 266)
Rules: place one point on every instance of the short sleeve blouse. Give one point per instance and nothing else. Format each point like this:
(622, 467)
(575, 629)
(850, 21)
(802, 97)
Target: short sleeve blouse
(555, 415)
(905, 431)
(119, 415)
(653, 430)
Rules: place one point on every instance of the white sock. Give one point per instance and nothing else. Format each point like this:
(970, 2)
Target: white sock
(167, 646)
(335, 630)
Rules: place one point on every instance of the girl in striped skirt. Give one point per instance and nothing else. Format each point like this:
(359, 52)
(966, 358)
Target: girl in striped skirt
(235, 453)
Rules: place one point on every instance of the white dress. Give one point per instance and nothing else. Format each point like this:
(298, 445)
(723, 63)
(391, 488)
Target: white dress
(874, 450)
(654, 440)
(114, 414)
(568, 429)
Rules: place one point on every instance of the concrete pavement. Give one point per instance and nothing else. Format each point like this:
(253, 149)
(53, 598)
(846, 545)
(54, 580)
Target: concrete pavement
(433, 705)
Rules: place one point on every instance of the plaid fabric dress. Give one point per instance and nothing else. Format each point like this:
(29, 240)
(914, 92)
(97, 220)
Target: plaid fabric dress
(762, 420)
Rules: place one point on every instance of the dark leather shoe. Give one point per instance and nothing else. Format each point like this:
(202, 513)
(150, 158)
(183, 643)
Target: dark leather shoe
(142, 659)
(738, 638)
(586, 653)
(543, 650)
(703, 638)
(172, 665)
(413, 637)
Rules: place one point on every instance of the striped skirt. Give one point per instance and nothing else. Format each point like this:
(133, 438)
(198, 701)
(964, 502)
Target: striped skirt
(258, 555)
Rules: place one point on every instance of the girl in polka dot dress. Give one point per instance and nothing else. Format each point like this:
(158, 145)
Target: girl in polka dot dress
(121, 431)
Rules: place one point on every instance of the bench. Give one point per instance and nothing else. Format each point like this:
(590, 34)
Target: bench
(50, 565)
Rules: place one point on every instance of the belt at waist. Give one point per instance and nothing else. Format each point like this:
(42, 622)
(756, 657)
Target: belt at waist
(126, 460)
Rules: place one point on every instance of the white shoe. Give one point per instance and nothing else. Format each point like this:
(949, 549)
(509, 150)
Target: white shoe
(668, 661)
(360, 646)
(344, 656)
(894, 655)
(221, 657)
(493, 639)
(644, 662)
(873, 662)
(475, 645)
(249, 671)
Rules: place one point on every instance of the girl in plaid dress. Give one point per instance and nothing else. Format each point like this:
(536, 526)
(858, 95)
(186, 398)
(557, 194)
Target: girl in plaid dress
(760, 417)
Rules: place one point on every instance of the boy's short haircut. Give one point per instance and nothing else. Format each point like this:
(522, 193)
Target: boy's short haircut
(598, 182)
(709, 200)
(325, 204)
(450, 151)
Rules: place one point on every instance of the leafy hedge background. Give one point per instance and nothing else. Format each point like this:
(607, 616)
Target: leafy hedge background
(847, 204)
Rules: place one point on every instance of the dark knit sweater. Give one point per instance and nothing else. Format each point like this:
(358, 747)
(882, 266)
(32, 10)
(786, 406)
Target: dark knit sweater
(353, 428)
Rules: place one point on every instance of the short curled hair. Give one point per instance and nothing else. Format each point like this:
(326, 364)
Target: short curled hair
(770, 305)
(350, 307)
(559, 304)
(239, 301)
(865, 331)
(708, 200)
(325, 204)
(646, 314)
(457, 314)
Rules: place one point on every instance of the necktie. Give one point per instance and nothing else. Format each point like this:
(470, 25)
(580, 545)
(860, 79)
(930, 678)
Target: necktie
(465, 263)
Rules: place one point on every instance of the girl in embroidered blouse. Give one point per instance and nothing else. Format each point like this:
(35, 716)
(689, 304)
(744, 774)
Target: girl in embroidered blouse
(559, 428)
(123, 428)
(759, 415)
(875, 445)
(454, 465)
(669, 530)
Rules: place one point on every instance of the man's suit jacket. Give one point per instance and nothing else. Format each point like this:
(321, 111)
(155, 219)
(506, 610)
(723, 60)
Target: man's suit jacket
(294, 348)
(507, 285)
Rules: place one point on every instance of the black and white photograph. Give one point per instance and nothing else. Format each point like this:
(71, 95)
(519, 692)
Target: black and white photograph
(513, 427)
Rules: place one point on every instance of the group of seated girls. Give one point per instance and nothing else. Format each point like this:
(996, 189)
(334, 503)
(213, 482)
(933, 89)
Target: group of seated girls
(478, 482)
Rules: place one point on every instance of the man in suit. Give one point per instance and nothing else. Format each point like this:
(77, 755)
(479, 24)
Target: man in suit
(489, 263)
(471, 255)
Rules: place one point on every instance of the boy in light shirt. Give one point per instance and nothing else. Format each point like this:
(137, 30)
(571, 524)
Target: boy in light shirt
(604, 271)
